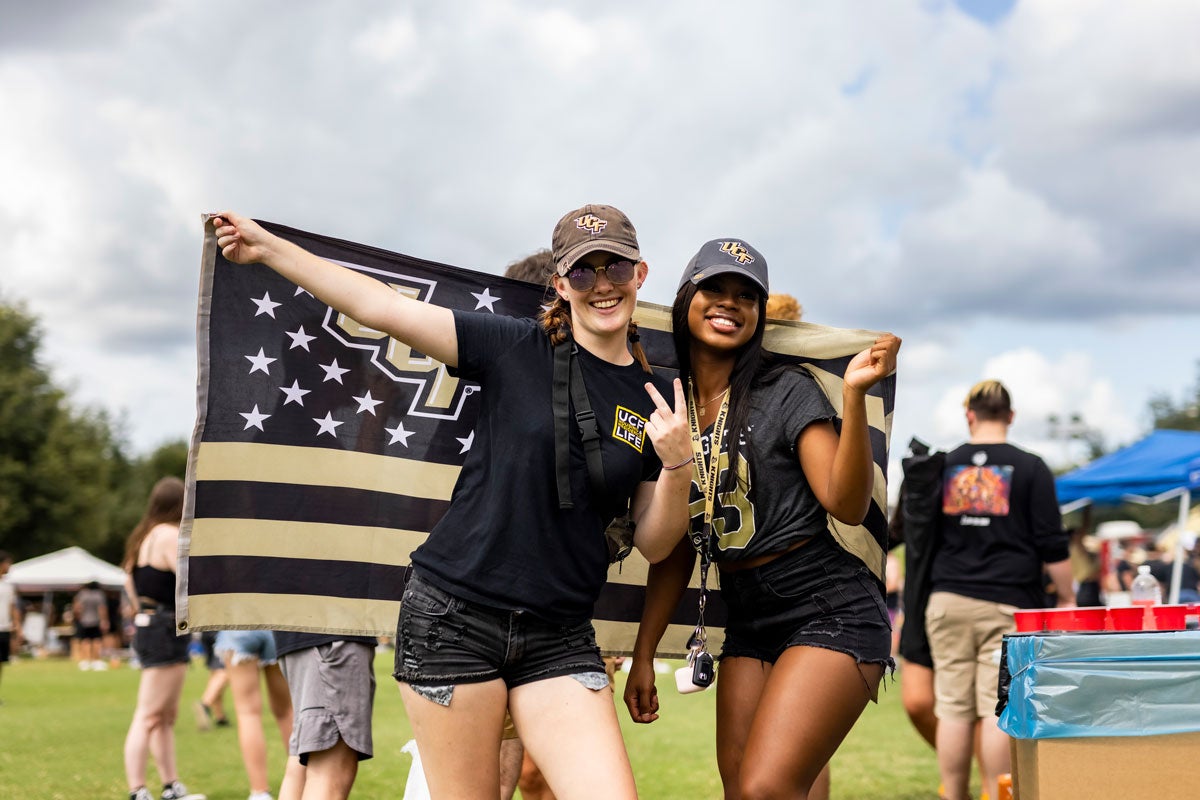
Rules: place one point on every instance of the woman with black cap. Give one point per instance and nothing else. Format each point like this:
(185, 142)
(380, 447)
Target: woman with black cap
(497, 610)
(807, 639)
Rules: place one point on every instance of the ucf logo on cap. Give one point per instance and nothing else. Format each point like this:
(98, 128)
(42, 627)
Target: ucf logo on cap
(590, 223)
(738, 251)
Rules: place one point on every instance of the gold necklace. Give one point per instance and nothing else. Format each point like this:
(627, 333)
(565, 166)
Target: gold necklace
(701, 406)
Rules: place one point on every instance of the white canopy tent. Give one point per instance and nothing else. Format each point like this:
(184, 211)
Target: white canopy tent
(66, 570)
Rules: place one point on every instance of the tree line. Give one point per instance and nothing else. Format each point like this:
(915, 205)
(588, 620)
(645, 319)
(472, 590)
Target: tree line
(66, 476)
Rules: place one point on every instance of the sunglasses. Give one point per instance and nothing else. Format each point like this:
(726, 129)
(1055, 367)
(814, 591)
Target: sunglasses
(582, 278)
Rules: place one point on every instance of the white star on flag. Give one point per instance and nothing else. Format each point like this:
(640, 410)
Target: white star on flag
(367, 403)
(265, 305)
(328, 424)
(466, 443)
(333, 372)
(259, 363)
(294, 393)
(299, 338)
(301, 290)
(399, 434)
(254, 419)
(485, 298)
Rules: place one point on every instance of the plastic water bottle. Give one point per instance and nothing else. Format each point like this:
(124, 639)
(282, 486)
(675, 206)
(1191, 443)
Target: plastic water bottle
(1145, 589)
(1145, 592)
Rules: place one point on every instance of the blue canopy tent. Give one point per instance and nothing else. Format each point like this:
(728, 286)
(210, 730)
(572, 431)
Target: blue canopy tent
(1164, 465)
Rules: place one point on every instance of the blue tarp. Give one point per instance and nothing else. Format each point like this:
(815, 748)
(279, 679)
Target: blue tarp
(1103, 684)
(1164, 460)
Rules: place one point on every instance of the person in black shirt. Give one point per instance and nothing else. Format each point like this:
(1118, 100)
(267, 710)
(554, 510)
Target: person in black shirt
(497, 610)
(807, 639)
(1000, 527)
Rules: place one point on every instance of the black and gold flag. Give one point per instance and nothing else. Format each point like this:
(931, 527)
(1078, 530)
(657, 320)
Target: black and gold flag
(324, 452)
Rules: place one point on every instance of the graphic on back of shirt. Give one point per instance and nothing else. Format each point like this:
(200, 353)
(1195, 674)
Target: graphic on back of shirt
(977, 490)
(733, 518)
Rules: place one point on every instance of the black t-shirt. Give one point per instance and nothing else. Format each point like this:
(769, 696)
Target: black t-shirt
(291, 641)
(1000, 524)
(773, 506)
(504, 542)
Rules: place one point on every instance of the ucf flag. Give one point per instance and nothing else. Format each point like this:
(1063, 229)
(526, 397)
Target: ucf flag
(324, 452)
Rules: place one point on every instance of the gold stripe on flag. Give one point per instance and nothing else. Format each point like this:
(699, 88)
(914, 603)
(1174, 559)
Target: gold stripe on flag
(315, 466)
(285, 539)
(304, 612)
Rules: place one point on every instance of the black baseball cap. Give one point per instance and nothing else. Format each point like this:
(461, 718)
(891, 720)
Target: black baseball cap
(593, 227)
(721, 256)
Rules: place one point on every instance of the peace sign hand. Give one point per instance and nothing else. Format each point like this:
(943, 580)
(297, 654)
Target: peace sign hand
(668, 427)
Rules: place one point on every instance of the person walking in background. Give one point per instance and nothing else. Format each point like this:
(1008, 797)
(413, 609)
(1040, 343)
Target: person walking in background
(90, 609)
(807, 639)
(1000, 527)
(245, 653)
(331, 679)
(150, 562)
(10, 614)
(210, 708)
(496, 570)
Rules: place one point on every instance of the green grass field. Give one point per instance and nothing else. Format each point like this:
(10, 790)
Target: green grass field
(62, 733)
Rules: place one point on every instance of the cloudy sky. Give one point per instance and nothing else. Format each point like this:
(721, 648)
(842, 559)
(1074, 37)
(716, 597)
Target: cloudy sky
(1009, 186)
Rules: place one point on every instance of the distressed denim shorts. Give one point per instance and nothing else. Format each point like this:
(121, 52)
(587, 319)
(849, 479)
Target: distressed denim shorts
(816, 596)
(443, 640)
(237, 646)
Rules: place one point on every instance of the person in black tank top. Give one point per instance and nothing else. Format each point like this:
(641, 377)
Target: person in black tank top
(150, 564)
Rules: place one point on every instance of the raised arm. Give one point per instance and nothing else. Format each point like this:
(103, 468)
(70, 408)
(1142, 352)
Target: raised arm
(840, 469)
(422, 326)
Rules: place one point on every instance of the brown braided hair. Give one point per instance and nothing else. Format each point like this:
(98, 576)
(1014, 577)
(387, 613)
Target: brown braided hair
(555, 320)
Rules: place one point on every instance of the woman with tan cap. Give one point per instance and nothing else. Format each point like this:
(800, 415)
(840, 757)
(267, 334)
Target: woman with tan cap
(807, 638)
(497, 610)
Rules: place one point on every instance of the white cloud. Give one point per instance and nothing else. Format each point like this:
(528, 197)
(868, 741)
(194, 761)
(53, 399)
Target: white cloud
(1011, 192)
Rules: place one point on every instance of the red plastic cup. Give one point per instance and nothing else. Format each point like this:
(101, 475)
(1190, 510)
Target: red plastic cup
(1059, 619)
(1029, 620)
(1090, 618)
(1170, 618)
(1126, 618)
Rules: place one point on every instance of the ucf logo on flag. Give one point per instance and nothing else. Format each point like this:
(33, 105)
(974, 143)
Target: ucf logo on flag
(324, 452)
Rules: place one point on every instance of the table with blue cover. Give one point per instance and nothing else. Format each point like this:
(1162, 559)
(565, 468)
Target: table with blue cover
(1103, 714)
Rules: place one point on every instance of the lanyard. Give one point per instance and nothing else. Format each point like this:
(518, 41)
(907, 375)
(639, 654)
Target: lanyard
(707, 475)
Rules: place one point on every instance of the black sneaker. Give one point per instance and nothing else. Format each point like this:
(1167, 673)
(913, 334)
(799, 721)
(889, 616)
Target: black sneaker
(176, 791)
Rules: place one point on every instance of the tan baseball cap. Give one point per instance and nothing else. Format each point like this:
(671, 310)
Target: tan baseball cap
(593, 227)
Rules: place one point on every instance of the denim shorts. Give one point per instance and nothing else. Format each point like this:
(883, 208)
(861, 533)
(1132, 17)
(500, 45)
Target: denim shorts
(816, 596)
(155, 643)
(234, 647)
(443, 640)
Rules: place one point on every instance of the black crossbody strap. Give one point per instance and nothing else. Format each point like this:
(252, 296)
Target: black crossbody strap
(588, 429)
(562, 421)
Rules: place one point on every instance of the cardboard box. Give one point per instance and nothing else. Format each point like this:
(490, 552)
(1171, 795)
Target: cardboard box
(1163, 767)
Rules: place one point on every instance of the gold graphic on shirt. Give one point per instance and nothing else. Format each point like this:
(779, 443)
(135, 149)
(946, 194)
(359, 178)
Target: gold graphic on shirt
(733, 530)
(629, 428)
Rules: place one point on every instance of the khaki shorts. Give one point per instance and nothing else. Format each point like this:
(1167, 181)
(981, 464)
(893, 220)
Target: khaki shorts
(965, 635)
